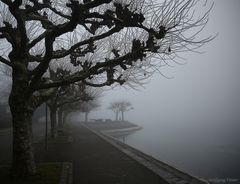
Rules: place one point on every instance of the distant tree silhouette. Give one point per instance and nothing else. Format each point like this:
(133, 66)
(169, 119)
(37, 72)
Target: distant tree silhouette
(115, 107)
(124, 107)
(85, 106)
(88, 107)
(120, 107)
(64, 95)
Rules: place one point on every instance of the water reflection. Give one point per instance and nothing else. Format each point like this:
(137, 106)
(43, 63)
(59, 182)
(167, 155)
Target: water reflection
(122, 136)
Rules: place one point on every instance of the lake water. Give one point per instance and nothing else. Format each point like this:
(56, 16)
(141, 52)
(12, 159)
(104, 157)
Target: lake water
(202, 151)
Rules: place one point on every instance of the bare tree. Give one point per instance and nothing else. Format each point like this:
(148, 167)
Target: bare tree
(115, 107)
(64, 95)
(87, 107)
(120, 106)
(130, 33)
(124, 106)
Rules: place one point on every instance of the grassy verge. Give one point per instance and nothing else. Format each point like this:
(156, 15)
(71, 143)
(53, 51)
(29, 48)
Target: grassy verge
(60, 139)
(47, 173)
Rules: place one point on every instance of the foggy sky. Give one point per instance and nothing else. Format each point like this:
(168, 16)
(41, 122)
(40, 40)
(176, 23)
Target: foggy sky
(204, 91)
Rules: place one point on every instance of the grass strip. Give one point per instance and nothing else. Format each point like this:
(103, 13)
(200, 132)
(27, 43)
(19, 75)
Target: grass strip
(47, 173)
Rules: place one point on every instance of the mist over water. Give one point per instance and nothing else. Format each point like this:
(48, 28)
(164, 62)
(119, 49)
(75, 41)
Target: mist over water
(192, 121)
(196, 132)
(207, 154)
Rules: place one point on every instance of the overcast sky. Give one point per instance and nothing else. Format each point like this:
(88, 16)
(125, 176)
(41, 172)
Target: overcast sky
(204, 91)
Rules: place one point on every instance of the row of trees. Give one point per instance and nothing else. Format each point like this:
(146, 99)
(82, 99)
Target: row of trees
(120, 107)
(102, 42)
(73, 98)
(61, 101)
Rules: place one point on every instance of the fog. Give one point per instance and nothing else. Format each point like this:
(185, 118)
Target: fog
(202, 92)
(190, 111)
(200, 102)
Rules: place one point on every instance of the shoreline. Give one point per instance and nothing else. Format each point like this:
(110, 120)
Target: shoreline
(169, 173)
(121, 131)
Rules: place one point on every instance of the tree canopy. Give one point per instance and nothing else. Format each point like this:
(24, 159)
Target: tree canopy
(120, 106)
(110, 40)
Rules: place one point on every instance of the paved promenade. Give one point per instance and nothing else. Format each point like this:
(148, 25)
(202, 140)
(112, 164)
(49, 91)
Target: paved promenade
(96, 162)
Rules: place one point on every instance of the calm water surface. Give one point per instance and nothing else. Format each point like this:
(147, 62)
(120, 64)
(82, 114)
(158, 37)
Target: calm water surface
(203, 151)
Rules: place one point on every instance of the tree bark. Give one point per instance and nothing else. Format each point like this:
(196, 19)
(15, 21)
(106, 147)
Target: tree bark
(23, 164)
(53, 118)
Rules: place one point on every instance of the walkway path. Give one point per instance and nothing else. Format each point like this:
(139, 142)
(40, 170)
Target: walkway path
(97, 162)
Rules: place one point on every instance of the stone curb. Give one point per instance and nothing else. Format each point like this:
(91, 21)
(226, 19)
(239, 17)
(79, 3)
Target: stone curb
(66, 176)
(132, 129)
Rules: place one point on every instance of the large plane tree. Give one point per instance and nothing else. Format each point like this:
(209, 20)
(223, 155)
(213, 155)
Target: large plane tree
(128, 35)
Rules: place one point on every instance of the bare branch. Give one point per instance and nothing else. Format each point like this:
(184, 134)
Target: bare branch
(5, 61)
(95, 3)
(84, 74)
(59, 53)
(107, 83)
(37, 40)
(7, 2)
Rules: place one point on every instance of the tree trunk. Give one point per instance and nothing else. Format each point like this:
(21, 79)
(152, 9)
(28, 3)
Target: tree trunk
(60, 119)
(23, 164)
(122, 116)
(86, 116)
(53, 118)
(116, 116)
(65, 114)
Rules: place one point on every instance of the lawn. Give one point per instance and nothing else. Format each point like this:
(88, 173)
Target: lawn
(47, 173)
